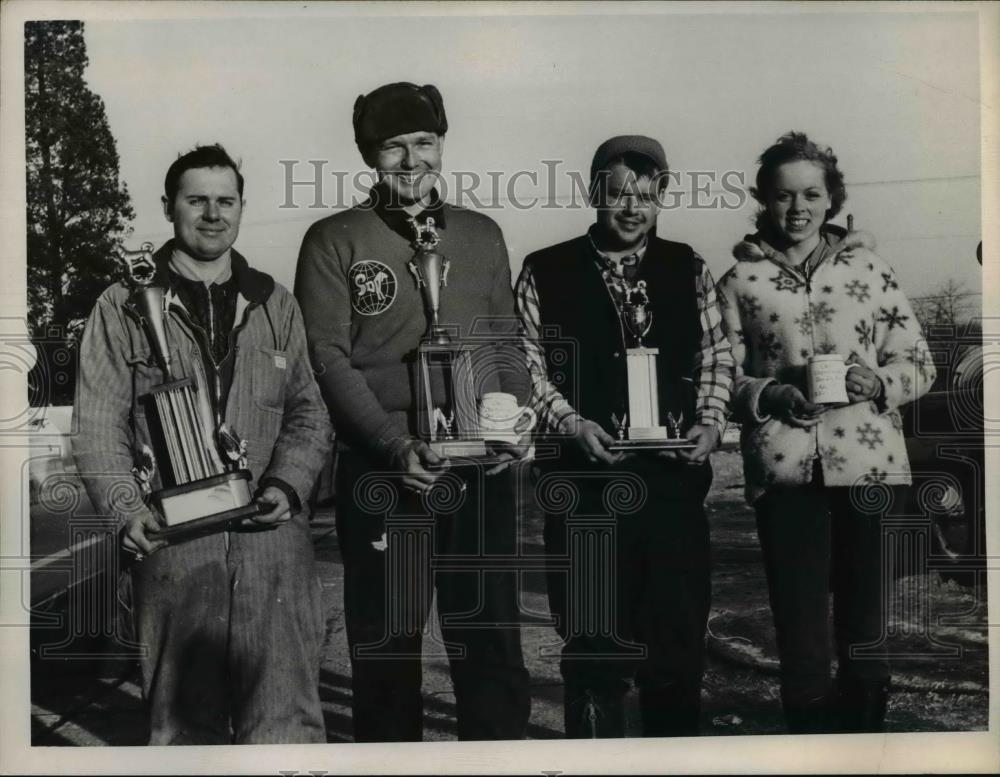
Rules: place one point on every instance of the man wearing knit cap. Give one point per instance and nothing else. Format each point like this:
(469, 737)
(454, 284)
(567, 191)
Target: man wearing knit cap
(402, 514)
(653, 625)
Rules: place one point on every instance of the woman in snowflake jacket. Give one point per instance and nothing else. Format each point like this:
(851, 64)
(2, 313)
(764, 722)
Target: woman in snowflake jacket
(820, 479)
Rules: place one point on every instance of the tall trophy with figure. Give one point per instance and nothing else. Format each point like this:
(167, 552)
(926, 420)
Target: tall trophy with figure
(450, 426)
(640, 428)
(201, 462)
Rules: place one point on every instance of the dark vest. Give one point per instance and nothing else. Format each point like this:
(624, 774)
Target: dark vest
(583, 340)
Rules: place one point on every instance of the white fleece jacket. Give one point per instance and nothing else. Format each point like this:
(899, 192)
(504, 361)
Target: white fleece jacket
(777, 317)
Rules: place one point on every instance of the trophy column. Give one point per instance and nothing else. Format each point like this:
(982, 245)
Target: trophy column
(643, 395)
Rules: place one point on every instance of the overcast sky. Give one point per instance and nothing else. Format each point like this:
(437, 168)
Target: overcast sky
(895, 94)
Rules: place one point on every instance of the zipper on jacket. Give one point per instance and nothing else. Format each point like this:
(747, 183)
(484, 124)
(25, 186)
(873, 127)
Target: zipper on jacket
(807, 280)
(211, 356)
(211, 325)
(812, 343)
(233, 345)
(216, 383)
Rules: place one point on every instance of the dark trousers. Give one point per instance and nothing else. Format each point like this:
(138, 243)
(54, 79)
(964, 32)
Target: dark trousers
(629, 584)
(816, 539)
(398, 550)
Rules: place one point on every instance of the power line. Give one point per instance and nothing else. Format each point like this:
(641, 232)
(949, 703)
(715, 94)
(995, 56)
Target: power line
(928, 179)
(911, 238)
(957, 296)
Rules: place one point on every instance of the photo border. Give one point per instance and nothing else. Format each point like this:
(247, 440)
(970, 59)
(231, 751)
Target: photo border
(910, 752)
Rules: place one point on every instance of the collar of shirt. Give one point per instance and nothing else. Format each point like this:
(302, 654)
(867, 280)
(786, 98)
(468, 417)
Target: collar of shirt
(183, 283)
(219, 270)
(626, 267)
(254, 285)
(398, 220)
(189, 280)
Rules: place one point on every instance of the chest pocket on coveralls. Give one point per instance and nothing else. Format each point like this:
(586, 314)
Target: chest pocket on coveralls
(269, 371)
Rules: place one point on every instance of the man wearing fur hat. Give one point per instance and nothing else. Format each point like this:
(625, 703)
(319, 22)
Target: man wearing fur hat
(658, 592)
(365, 316)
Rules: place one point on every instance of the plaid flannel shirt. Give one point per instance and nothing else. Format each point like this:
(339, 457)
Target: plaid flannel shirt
(713, 369)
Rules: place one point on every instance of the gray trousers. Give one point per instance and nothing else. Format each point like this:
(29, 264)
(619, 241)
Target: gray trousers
(231, 626)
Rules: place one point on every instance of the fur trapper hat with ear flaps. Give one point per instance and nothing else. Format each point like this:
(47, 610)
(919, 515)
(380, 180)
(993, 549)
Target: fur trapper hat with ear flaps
(396, 109)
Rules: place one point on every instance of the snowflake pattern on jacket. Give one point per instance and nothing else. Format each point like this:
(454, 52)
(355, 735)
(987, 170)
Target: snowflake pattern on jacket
(777, 316)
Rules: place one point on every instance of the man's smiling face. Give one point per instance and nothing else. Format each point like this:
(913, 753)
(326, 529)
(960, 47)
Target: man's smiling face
(408, 165)
(628, 207)
(206, 212)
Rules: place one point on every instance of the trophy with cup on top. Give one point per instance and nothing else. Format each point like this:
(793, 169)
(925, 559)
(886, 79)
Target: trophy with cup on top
(639, 428)
(201, 462)
(460, 423)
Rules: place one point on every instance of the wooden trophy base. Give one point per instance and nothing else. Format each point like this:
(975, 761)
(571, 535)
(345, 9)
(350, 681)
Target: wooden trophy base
(205, 506)
(651, 445)
(465, 452)
(462, 448)
(650, 438)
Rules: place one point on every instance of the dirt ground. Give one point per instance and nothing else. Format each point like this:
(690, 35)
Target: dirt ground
(938, 638)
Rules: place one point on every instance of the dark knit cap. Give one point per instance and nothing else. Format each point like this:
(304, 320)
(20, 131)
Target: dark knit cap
(395, 109)
(624, 144)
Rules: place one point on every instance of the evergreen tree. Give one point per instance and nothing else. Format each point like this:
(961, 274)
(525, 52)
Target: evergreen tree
(78, 209)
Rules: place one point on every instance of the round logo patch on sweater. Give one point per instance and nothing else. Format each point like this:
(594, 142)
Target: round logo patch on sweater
(373, 287)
